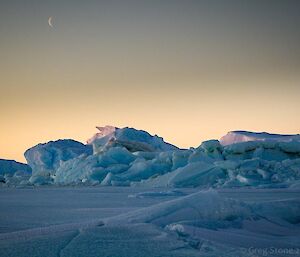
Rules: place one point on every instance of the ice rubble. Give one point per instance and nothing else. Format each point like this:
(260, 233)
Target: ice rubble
(103, 131)
(12, 172)
(94, 168)
(11, 167)
(259, 164)
(119, 156)
(130, 157)
(44, 159)
(130, 138)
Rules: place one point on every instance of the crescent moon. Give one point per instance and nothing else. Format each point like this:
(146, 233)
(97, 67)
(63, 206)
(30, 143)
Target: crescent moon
(50, 22)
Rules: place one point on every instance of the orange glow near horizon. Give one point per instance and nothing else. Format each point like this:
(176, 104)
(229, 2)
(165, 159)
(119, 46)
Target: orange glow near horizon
(180, 118)
(187, 72)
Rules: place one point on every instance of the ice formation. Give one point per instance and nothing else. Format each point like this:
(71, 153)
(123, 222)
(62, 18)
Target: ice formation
(45, 159)
(12, 172)
(130, 157)
(258, 164)
(130, 138)
(233, 137)
(104, 131)
(11, 167)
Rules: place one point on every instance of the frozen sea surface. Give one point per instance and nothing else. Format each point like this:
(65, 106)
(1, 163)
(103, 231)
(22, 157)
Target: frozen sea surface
(25, 208)
(109, 221)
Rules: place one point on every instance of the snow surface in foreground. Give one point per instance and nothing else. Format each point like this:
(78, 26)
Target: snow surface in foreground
(200, 223)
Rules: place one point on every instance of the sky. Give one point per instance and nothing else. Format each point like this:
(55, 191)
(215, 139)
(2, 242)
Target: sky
(187, 70)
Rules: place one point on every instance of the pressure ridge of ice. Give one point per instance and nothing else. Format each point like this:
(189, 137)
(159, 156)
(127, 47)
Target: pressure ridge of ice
(130, 157)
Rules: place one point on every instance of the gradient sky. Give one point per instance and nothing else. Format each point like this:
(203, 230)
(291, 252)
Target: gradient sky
(185, 70)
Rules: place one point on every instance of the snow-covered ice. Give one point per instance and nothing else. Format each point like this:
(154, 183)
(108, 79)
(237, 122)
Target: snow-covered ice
(104, 221)
(238, 136)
